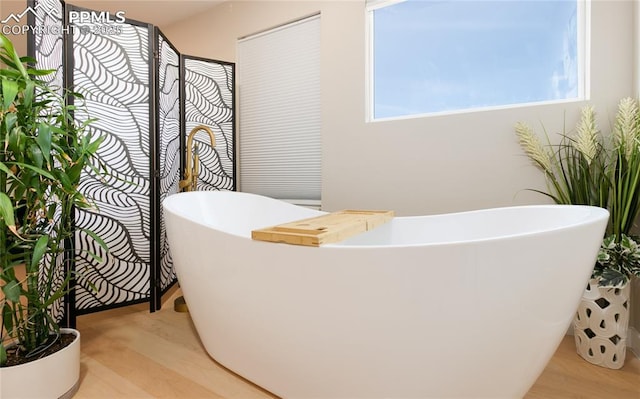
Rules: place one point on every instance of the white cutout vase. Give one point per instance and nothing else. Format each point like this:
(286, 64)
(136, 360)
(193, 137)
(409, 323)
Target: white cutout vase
(600, 325)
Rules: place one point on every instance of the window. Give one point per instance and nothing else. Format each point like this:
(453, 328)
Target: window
(279, 98)
(429, 56)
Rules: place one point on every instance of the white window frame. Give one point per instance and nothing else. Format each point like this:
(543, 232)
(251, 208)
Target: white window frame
(583, 21)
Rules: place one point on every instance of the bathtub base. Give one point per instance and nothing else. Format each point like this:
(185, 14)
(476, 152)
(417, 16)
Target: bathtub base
(180, 305)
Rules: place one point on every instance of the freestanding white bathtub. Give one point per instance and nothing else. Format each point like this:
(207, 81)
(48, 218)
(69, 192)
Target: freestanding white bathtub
(466, 305)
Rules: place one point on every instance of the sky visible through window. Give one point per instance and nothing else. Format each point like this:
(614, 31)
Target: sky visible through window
(433, 56)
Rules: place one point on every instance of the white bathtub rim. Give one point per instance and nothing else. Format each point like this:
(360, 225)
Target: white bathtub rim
(596, 214)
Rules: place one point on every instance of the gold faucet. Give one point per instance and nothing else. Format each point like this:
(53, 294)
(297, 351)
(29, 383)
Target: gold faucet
(192, 165)
(189, 183)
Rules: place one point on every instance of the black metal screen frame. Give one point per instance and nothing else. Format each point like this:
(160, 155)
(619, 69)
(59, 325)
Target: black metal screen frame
(158, 291)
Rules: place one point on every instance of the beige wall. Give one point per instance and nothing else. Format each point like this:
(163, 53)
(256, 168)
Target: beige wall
(15, 6)
(635, 293)
(423, 165)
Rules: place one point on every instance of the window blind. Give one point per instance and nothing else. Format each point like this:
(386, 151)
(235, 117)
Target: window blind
(279, 111)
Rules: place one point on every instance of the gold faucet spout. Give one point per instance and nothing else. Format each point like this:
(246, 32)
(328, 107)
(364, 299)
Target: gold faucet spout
(189, 183)
(191, 168)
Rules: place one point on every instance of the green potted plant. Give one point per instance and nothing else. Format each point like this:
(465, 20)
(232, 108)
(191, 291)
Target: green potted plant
(592, 168)
(43, 151)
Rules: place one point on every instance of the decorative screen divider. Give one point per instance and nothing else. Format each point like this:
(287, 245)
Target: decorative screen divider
(145, 97)
(51, 46)
(209, 100)
(112, 72)
(169, 151)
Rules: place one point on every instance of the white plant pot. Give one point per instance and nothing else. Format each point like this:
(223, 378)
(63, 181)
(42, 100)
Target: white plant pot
(54, 376)
(600, 325)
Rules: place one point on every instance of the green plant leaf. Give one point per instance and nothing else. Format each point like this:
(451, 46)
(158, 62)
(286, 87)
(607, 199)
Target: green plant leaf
(3, 354)
(44, 140)
(39, 171)
(93, 147)
(7, 316)
(66, 183)
(39, 250)
(74, 172)
(51, 210)
(6, 211)
(612, 279)
(39, 72)
(5, 169)
(35, 153)
(13, 140)
(8, 62)
(9, 92)
(57, 294)
(11, 52)
(11, 291)
(8, 272)
(9, 121)
(29, 92)
(28, 60)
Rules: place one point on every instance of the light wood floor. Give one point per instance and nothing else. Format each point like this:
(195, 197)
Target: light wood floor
(131, 353)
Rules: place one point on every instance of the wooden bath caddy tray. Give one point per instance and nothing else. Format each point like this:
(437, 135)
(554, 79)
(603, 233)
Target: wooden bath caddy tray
(324, 229)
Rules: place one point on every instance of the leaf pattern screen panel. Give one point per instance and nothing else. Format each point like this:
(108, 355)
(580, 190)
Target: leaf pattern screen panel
(113, 72)
(209, 101)
(168, 125)
(49, 43)
(47, 47)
